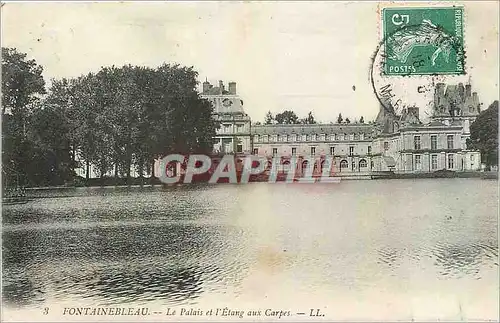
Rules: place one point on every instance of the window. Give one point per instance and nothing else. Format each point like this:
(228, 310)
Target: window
(332, 151)
(255, 151)
(313, 137)
(304, 137)
(351, 150)
(434, 142)
(294, 137)
(265, 138)
(362, 163)
(275, 151)
(351, 136)
(369, 150)
(239, 148)
(322, 137)
(287, 138)
(386, 145)
(472, 158)
(313, 150)
(294, 151)
(434, 161)
(256, 138)
(418, 162)
(451, 161)
(275, 138)
(361, 136)
(449, 140)
(239, 128)
(344, 164)
(416, 142)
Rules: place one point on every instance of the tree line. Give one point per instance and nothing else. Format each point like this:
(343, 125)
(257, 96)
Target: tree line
(289, 117)
(116, 119)
(484, 135)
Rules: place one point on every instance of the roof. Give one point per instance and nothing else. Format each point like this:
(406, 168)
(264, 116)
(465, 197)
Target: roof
(312, 128)
(435, 123)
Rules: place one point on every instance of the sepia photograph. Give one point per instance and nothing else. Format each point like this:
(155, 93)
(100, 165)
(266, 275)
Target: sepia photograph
(253, 161)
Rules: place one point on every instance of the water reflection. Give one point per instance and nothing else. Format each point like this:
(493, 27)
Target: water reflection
(461, 260)
(181, 245)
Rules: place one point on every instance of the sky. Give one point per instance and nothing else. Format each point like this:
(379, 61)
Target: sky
(300, 56)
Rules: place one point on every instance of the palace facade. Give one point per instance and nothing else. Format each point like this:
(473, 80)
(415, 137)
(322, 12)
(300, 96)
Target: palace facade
(399, 143)
(234, 134)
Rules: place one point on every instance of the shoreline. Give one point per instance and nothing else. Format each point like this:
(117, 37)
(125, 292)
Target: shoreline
(347, 176)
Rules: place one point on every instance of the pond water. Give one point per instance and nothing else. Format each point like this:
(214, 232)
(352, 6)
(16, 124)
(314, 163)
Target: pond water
(423, 249)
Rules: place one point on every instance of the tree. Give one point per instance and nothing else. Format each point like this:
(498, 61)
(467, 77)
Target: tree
(287, 117)
(51, 131)
(22, 85)
(309, 119)
(347, 120)
(119, 118)
(22, 80)
(361, 120)
(269, 118)
(484, 135)
(340, 119)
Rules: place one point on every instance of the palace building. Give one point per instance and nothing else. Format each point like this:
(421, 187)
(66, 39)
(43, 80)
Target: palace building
(234, 134)
(399, 143)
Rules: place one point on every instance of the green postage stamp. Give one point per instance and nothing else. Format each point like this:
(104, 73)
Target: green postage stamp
(423, 41)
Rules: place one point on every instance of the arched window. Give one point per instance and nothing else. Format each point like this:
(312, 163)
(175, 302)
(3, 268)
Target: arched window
(344, 164)
(362, 163)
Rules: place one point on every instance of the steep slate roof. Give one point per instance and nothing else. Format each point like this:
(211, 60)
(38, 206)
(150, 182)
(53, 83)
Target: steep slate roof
(312, 128)
(434, 124)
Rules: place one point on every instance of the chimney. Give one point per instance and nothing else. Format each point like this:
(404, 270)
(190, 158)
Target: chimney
(461, 92)
(206, 86)
(475, 99)
(439, 95)
(221, 87)
(440, 88)
(232, 88)
(467, 90)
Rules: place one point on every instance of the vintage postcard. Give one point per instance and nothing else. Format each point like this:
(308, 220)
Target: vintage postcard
(249, 161)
